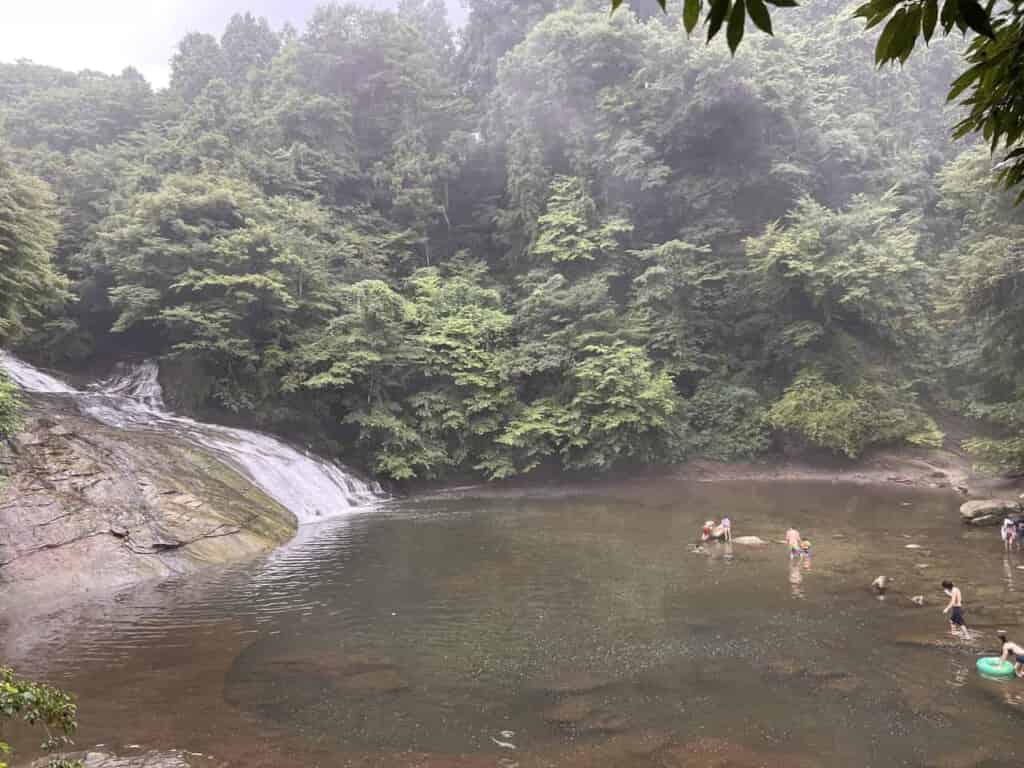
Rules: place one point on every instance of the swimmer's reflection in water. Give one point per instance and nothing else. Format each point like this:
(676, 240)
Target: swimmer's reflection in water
(722, 551)
(796, 579)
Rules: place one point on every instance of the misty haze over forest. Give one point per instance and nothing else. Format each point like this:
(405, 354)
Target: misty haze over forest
(549, 238)
(109, 35)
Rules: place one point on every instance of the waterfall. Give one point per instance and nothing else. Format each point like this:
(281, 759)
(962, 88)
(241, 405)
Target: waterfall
(310, 486)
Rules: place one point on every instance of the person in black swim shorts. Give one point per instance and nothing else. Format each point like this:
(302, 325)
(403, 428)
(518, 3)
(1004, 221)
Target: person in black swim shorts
(955, 608)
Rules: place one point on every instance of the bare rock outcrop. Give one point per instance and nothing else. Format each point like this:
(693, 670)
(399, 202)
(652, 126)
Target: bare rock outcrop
(988, 511)
(85, 507)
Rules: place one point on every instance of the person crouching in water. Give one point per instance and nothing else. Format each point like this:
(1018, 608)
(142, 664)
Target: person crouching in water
(1014, 650)
(955, 608)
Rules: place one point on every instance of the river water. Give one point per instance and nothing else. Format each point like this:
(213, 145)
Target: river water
(574, 625)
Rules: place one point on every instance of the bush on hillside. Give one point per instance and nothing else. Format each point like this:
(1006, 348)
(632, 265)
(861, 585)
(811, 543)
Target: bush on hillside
(828, 416)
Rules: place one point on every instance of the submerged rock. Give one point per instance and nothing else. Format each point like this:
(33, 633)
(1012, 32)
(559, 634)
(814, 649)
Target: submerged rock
(585, 714)
(644, 742)
(605, 724)
(988, 511)
(712, 752)
(379, 680)
(571, 682)
(754, 540)
(354, 672)
(573, 710)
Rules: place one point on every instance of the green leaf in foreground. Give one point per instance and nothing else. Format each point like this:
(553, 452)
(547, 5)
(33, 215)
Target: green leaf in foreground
(759, 15)
(691, 14)
(929, 16)
(716, 17)
(976, 18)
(737, 21)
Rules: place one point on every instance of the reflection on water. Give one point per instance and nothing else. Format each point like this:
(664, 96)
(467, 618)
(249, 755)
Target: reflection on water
(583, 629)
(796, 578)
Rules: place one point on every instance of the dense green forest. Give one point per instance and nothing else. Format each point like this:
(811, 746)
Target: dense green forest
(557, 237)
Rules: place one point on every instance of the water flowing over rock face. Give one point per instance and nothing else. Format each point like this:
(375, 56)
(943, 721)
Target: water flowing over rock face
(107, 488)
(90, 507)
(309, 486)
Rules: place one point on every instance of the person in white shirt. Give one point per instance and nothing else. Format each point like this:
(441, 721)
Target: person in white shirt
(726, 526)
(1008, 533)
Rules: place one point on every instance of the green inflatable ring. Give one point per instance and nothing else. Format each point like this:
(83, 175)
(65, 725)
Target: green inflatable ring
(993, 666)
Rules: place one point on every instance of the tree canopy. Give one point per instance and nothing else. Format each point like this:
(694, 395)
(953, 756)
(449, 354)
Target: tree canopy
(989, 87)
(555, 238)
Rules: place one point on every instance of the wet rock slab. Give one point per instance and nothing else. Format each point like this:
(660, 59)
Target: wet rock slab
(92, 508)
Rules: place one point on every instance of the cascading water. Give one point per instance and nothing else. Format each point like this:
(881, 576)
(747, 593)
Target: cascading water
(309, 486)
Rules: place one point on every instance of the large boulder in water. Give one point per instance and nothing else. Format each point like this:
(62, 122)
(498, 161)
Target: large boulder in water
(988, 511)
(753, 540)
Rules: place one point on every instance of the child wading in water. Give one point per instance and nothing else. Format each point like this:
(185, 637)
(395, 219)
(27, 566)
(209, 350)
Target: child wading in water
(956, 605)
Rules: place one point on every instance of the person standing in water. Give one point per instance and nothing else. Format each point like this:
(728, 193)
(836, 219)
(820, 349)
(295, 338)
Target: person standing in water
(1008, 532)
(955, 608)
(1012, 650)
(726, 526)
(793, 542)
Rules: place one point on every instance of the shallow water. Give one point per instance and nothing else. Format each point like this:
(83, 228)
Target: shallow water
(576, 626)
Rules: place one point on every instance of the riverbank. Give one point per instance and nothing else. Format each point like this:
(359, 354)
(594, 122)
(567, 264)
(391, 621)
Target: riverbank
(934, 469)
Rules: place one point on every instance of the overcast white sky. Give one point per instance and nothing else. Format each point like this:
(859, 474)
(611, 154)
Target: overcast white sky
(109, 35)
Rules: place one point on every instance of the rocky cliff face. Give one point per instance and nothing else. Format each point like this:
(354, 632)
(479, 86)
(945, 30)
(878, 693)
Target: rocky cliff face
(85, 507)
